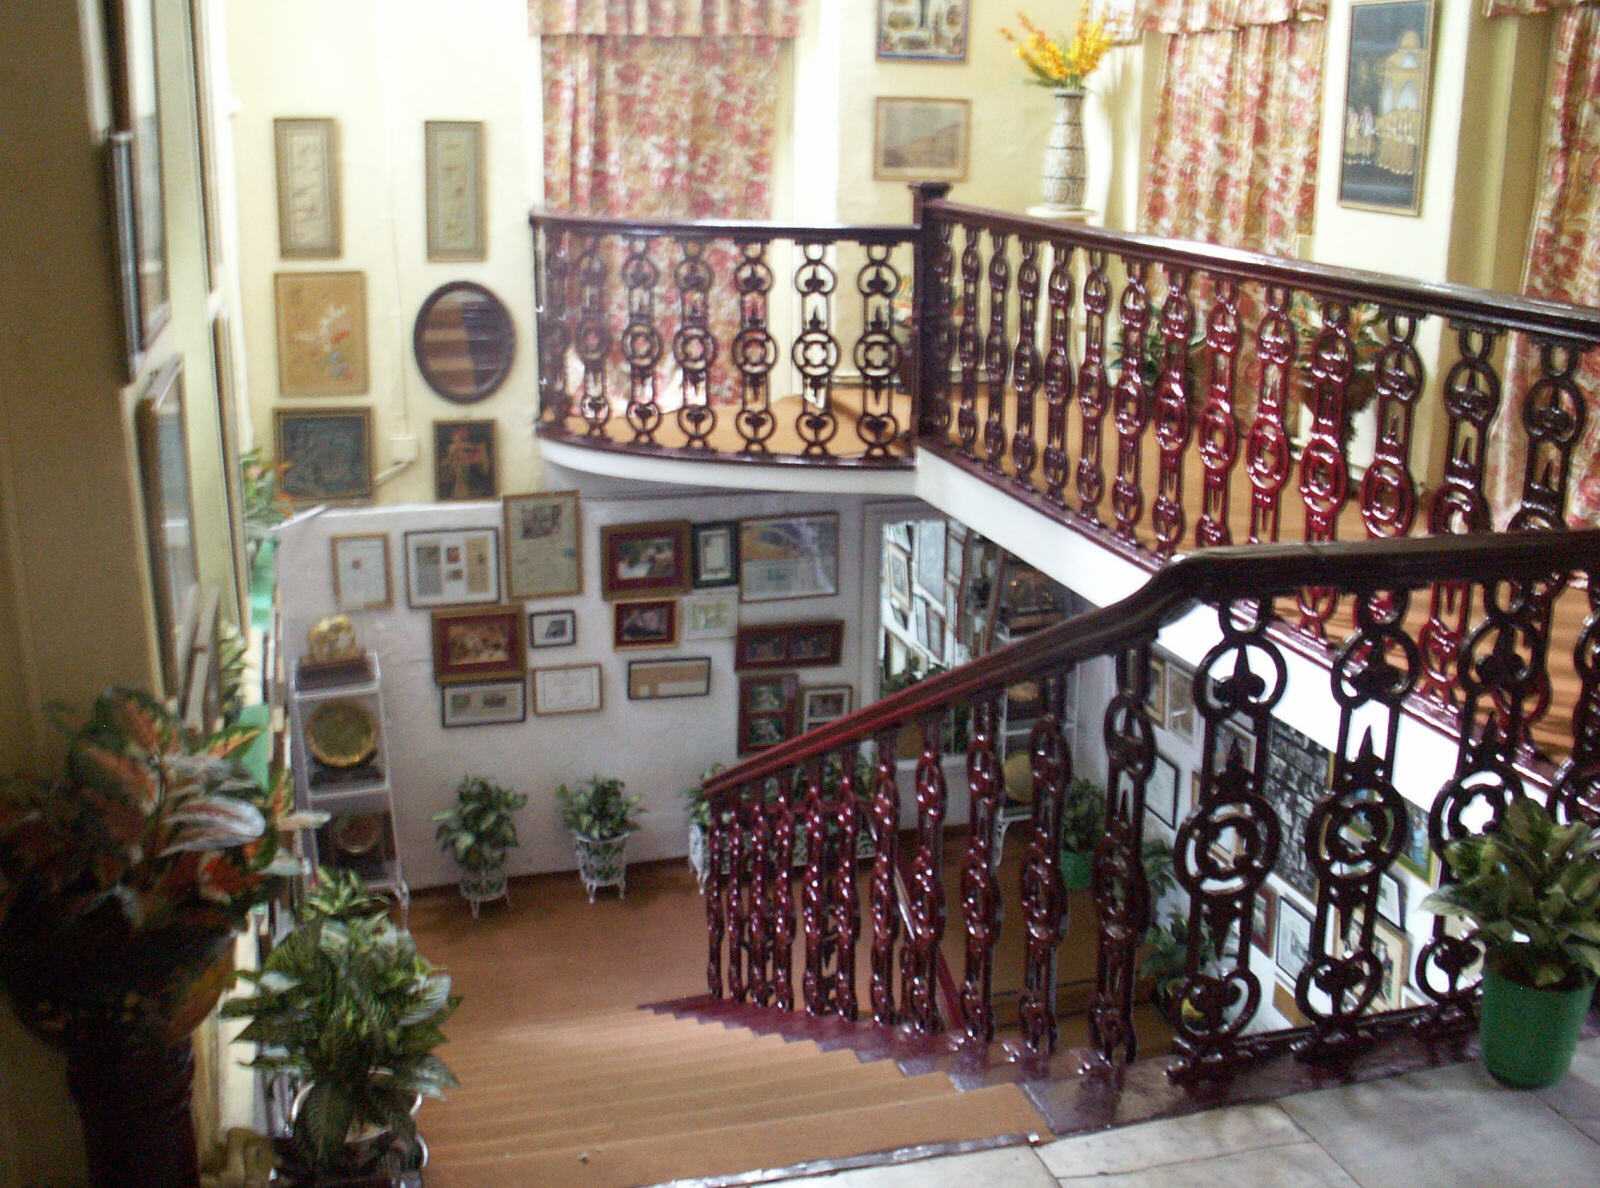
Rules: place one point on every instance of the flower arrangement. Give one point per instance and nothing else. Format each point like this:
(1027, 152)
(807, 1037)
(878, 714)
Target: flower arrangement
(122, 884)
(1051, 65)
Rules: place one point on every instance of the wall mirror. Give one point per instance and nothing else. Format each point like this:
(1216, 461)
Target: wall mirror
(464, 341)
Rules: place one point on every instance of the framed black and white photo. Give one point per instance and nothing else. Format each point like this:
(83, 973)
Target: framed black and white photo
(1161, 792)
(552, 628)
(1292, 947)
(484, 703)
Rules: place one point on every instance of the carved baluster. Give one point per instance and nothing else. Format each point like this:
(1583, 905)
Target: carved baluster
(925, 910)
(780, 916)
(980, 890)
(1575, 791)
(937, 414)
(1500, 672)
(553, 312)
(718, 831)
(1044, 892)
(846, 922)
(1120, 891)
(967, 343)
(1324, 472)
(1024, 447)
(1174, 424)
(755, 351)
(1388, 490)
(1058, 381)
(1131, 403)
(884, 902)
(816, 351)
(641, 341)
(741, 878)
(877, 355)
(1219, 428)
(1354, 834)
(694, 346)
(593, 338)
(811, 904)
(1227, 847)
(996, 356)
(1471, 399)
(1093, 394)
(1268, 453)
(761, 895)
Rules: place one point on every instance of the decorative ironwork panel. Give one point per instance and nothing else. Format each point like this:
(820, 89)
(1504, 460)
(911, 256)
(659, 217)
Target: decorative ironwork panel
(641, 341)
(876, 354)
(816, 351)
(884, 903)
(980, 890)
(996, 355)
(1388, 490)
(1025, 366)
(1044, 892)
(1324, 473)
(592, 340)
(1093, 390)
(1268, 453)
(925, 910)
(755, 351)
(1218, 429)
(553, 310)
(694, 347)
(1058, 378)
(967, 345)
(1120, 891)
(1173, 424)
(1575, 792)
(1130, 402)
(1553, 414)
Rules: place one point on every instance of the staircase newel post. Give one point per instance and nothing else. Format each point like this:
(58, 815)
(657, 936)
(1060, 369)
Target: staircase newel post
(885, 909)
(931, 416)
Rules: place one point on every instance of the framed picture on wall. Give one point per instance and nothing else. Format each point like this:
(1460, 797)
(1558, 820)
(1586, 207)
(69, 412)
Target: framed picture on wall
(716, 554)
(544, 558)
(1387, 85)
(920, 139)
(464, 461)
(307, 153)
(326, 454)
(136, 111)
(789, 645)
(1263, 918)
(648, 558)
(168, 513)
(918, 29)
(568, 689)
(649, 623)
(552, 628)
(653, 680)
(453, 172)
(484, 703)
(710, 616)
(824, 703)
(1161, 792)
(322, 333)
(788, 557)
(361, 571)
(452, 565)
(768, 709)
(478, 643)
(1292, 943)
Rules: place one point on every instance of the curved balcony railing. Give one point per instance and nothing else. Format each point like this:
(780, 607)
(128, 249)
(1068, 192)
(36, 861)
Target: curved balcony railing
(791, 943)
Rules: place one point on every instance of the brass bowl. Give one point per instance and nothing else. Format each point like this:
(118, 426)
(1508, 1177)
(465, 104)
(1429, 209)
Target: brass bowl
(342, 734)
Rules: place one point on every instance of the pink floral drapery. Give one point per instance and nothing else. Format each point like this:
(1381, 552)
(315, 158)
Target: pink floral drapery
(1235, 157)
(1563, 251)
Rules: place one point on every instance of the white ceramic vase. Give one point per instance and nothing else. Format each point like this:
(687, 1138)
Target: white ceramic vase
(1065, 162)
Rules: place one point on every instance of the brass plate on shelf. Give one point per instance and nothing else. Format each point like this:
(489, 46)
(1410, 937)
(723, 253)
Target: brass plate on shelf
(342, 733)
(356, 834)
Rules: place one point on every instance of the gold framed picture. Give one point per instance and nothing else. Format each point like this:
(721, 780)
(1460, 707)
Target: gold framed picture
(322, 333)
(309, 226)
(453, 169)
(920, 139)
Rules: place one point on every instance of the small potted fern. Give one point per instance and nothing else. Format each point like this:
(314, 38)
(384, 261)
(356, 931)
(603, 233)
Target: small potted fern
(478, 832)
(600, 816)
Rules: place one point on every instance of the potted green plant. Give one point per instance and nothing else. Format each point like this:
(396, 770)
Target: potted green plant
(478, 832)
(1083, 817)
(1532, 887)
(347, 1006)
(122, 884)
(600, 817)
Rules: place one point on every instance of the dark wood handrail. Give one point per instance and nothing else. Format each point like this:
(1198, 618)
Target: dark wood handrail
(1548, 319)
(740, 231)
(1213, 576)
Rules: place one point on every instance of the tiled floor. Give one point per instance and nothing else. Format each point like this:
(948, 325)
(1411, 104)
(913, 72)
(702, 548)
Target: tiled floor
(1442, 1127)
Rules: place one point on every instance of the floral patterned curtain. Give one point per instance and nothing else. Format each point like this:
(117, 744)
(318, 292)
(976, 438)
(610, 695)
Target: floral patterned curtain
(665, 18)
(1207, 16)
(1235, 158)
(1496, 8)
(1563, 253)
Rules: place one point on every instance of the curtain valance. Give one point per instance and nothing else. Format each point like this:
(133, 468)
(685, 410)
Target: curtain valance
(1215, 16)
(664, 18)
(1496, 8)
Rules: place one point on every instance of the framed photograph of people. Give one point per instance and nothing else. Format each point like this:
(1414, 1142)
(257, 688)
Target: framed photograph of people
(448, 566)
(465, 462)
(543, 554)
(788, 557)
(1386, 98)
(648, 558)
(647, 623)
(824, 703)
(478, 643)
(768, 710)
(789, 645)
(716, 554)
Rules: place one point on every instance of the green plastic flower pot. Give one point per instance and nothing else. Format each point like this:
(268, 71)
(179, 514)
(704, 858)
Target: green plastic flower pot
(1528, 1035)
(1075, 868)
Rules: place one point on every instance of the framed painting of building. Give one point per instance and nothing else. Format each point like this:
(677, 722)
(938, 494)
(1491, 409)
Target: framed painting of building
(1387, 78)
(920, 139)
(923, 30)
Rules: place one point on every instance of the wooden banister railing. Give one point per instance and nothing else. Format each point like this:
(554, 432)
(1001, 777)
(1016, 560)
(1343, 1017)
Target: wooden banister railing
(1228, 844)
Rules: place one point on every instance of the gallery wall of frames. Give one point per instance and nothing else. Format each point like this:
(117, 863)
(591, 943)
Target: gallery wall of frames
(542, 638)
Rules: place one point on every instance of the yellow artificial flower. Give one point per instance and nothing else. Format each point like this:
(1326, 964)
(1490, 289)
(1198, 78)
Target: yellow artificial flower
(1053, 66)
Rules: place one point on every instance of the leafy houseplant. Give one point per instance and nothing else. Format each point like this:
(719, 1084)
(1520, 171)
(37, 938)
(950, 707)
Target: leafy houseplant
(478, 831)
(1083, 816)
(347, 1005)
(600, 817)
(1532, 887)
(121, 885)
